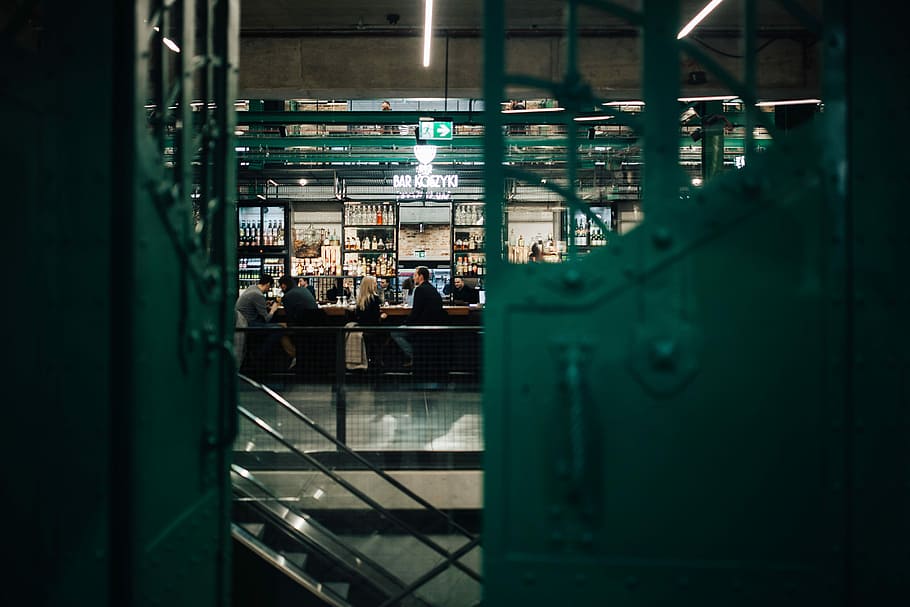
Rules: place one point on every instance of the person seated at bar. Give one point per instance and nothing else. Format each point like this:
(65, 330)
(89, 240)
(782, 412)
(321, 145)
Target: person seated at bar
(296, 300)
(253, 307)
(339, 290)
(427, 310)
(462, 293)
(385, 291)
(367, 311)
(304, 281)
(407, 292)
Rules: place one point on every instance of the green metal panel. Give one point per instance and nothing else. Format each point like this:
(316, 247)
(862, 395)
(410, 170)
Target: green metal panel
(125, 385)
(711, 410)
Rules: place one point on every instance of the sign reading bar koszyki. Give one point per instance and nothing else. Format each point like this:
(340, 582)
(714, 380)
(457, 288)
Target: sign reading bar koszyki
(425, 181)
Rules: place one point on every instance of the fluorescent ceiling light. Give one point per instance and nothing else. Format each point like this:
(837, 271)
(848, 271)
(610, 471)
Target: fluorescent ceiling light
(260, 196)
(788, 102)
(167, 41)
(708, 98)
(591, 118)
(543, 109)
(271, 182)
(427, 32)
(619, 103)
(698, 18)
(302, 182)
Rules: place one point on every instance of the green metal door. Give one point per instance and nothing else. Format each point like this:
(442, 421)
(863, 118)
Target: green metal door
(123, 182)
(683, 416)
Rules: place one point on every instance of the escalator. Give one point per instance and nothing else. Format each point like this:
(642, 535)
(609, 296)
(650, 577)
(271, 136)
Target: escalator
(336, 537)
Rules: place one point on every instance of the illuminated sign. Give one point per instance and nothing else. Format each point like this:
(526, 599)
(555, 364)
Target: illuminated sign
(424, 179)
(431, 130)
(428, 181)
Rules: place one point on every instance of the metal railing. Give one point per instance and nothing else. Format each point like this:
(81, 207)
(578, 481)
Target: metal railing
(338, 368)
(353, 494)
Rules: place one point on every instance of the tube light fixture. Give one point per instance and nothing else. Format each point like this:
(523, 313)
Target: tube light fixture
(621, 103)
(271, 181)
(591, 118)
(788, 102)
(535, 110)
(691, 25)
(427, 32)
(708, 98)
(167, 41)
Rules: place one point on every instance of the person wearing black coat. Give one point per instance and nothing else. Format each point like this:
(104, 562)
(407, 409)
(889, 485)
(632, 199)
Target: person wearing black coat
(367, 311)
(427, 307)
(296, 300)
(427, 310)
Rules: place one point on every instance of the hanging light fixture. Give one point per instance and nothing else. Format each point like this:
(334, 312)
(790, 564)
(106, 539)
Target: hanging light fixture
(691, 25)
(427, 32)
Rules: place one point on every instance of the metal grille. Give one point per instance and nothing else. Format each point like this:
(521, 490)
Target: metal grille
(375, 388)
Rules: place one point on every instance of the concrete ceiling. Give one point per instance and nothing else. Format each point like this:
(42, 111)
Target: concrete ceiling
(271, 16)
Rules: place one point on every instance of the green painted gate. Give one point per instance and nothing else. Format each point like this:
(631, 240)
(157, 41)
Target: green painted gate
(119, 176)
(712, 409)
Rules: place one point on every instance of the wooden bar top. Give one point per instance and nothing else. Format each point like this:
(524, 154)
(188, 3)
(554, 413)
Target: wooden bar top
(399, 311)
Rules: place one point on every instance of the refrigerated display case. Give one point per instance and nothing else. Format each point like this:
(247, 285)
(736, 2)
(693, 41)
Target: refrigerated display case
(262, 242)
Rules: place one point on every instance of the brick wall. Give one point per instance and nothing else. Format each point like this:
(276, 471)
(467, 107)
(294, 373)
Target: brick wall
(434, 240)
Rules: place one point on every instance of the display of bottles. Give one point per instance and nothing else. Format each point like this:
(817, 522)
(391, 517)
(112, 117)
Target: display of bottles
(253, 233)
(369, 214)
(469, 214)
(249, 233)
(470, 265)
(581, 232)
(374, 265)
(598, 239)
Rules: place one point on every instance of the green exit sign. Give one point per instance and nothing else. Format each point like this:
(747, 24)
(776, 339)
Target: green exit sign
(435, 131)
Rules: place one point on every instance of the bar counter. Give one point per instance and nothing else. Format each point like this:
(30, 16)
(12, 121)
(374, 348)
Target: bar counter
(457, 315)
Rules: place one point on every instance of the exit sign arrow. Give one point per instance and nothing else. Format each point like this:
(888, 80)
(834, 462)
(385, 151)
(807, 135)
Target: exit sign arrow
(432, 130)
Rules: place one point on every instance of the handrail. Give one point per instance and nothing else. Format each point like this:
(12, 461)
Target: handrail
(308, 530)
(357, 492)
(289, 569)
(432, 573)
(343, 447)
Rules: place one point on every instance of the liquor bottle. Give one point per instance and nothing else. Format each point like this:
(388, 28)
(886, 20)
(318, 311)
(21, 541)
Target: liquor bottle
(366, 243)
(380, 246)
(521, 240)
(373, 243)
(378, 215)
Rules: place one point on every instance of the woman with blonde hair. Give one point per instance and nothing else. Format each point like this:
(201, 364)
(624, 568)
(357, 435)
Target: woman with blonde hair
(367, 311)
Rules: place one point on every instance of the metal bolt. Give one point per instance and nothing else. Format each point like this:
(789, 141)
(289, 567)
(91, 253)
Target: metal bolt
(662, 238)
(663, 354)
(572, 278)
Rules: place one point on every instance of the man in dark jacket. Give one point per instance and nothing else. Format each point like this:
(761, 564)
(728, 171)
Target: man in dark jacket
(463, 293)
(296, 300)
(427, 308)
